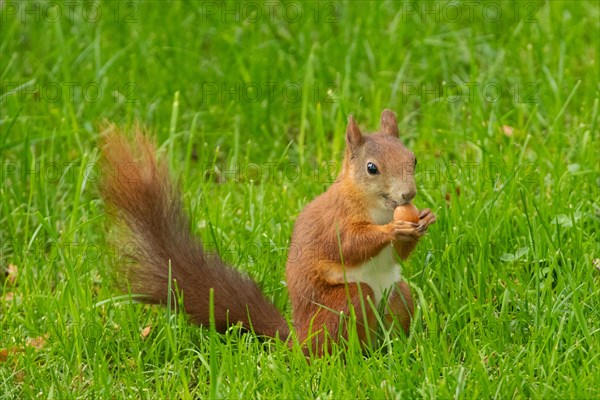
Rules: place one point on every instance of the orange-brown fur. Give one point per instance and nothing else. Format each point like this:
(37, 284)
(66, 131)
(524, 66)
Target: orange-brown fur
(400, 307)
(156, 236)
(336, 233)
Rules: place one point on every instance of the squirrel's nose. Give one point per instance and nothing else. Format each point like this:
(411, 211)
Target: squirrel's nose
(408, 196)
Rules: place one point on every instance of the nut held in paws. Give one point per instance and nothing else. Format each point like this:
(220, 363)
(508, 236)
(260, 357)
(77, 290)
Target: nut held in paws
(406, 212)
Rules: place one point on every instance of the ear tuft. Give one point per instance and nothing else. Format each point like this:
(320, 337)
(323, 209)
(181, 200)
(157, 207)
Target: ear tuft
(354, 138)
(388, 123)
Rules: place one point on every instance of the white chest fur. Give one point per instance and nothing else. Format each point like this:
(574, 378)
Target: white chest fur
(380, 273)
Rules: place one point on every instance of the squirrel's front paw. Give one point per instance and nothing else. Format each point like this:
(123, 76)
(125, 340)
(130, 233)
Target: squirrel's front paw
(403, 230)
(426, 218)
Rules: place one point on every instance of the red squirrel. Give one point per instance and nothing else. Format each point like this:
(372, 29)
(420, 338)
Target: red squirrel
(341, 252)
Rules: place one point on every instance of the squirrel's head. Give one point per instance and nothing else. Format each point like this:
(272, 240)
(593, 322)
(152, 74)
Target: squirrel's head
(380, 166)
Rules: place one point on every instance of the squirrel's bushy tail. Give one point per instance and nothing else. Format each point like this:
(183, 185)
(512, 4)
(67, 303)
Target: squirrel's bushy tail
(156, 236)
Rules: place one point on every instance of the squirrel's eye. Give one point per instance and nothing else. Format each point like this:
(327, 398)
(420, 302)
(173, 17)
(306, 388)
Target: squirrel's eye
(415, 161)
(372, 169)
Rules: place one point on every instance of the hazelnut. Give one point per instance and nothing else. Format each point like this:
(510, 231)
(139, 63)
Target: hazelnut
(406, 212)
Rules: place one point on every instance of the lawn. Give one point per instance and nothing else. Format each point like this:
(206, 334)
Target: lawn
(249, 103)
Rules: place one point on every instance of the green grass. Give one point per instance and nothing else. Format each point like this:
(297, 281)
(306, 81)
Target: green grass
(506, 285)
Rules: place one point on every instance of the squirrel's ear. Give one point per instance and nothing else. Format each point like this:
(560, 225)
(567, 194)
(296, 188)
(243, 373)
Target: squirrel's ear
(354, 139)
(388, 123)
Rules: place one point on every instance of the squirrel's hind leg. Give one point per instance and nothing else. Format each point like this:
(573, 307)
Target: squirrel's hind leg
(330, 319)
(399, 308)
